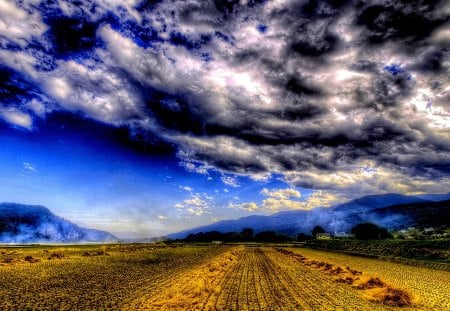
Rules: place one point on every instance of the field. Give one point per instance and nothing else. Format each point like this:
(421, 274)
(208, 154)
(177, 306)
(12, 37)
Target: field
(152, 277)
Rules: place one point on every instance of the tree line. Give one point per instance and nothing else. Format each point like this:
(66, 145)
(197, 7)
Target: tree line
(246, 235)
(364, 231)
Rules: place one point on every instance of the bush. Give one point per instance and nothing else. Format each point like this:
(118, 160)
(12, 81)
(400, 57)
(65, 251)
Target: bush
(368, 231)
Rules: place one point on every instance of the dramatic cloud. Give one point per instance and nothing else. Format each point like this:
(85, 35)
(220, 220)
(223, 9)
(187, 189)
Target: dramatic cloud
(343, 96)
(281, 199)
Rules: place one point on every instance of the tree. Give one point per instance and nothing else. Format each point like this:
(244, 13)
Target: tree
(317, 229)
(271, 237)
(266, 236)
(247, 234)
(368, 231)
(303, 237)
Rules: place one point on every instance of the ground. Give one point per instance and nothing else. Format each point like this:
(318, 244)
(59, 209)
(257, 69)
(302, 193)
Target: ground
(150, 277)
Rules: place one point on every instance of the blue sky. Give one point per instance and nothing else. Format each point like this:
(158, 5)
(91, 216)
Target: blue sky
(84, 173)
(156, 116)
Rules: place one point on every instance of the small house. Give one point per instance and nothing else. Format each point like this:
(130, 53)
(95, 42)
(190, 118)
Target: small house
(323, 236)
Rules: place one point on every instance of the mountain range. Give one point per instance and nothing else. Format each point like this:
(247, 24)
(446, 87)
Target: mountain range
(21, 223)
(392, 211)
(36, 224)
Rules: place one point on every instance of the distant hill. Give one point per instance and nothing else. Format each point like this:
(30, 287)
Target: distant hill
(428, 214)
(36, 224)
(434, 197)
(371, 202)
(388, 210)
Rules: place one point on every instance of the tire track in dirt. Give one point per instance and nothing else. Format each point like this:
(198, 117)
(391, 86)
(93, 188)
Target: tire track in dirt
(228, 292)
(282, 292)
(256, 284)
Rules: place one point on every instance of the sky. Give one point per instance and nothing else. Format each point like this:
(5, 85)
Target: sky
(148, 117)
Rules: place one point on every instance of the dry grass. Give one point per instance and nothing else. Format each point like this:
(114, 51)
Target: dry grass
(395, 297)
(384, 294)
(61, 278)
(426, 289)
(371, 283)
(191, 290)
(157, 277)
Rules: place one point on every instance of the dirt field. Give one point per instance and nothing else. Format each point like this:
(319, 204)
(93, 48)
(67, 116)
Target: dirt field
(212, 278)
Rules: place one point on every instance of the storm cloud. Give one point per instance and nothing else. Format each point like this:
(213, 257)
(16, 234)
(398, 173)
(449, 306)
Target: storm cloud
(331, 95)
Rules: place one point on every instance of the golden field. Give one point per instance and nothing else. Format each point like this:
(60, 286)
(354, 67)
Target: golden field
(158, 277)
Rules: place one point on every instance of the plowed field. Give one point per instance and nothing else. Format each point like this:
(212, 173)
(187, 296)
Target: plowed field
(218, 278)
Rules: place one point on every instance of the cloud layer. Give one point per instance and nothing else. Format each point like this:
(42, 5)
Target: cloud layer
(333, 95)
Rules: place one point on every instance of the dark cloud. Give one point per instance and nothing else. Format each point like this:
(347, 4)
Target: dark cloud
(316, 46)
(407, 21)
(300, 87)
(309, 87)
(432, 60)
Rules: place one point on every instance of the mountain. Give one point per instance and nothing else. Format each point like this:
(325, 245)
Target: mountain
(434, 197)
(388, 210)
(428, 214)
(370, 202)
(34, 224)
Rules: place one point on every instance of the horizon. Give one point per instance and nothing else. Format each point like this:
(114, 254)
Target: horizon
(143, 117)
(130, 235)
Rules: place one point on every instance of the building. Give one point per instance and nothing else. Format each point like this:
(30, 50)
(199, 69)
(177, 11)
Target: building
(323, 236)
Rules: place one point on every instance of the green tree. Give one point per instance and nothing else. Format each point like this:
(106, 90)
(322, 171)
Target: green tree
(368, 231)
(247, 234)
(317, 229)
(303, 237)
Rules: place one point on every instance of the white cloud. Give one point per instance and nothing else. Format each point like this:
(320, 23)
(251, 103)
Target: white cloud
(186, 188)
(279, 200)
(322, 199)
(248, 207)
(230, 181)
(197, 204)
(146, 65)
(37, 107)
(365, 178)
(100, 92)
(16, 117)
(18, 25)
(161, 217)
(281, 193)
(274, 205)
(28, 167)
(20, 61)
